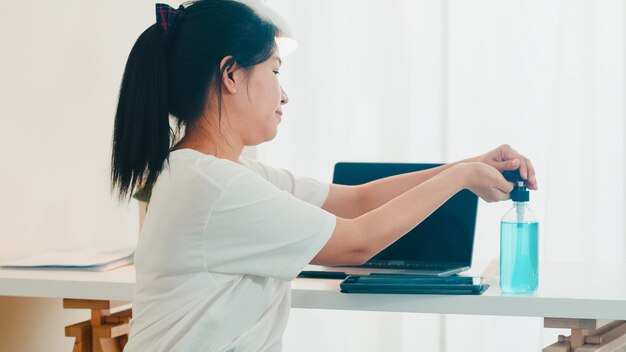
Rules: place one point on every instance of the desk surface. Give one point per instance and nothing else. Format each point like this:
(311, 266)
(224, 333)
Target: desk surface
(594, 291)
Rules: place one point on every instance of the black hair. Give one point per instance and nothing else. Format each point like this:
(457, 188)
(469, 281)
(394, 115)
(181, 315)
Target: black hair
(176, 76)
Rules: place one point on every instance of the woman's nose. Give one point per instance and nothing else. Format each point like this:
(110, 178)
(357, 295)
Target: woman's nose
(284, 98)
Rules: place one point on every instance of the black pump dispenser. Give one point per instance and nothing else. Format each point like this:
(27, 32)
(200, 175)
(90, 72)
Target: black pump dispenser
(520, 193)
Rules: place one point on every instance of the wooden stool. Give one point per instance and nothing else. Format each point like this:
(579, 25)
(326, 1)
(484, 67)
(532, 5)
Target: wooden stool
(588, 335)
(104, 332)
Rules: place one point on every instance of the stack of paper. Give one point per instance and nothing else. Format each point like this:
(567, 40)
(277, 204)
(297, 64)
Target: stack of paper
(84, 259)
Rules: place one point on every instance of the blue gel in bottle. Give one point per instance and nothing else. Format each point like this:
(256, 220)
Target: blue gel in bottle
(519, 243)
(519, 254)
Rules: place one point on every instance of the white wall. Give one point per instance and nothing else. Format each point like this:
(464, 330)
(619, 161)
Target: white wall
(61, 66)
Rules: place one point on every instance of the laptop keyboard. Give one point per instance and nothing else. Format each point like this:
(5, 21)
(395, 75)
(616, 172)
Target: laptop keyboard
(412, 266)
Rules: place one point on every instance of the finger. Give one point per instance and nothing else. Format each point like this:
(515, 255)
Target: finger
(523, 169)
(499, 195)
(505, 196)
(507, 152)
(507, 187)
(507, 165)
(503, 185)
(531, 175)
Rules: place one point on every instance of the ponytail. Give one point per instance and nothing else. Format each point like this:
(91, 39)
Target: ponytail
(141, 136)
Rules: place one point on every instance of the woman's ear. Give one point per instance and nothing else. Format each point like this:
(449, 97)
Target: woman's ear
(228, 67)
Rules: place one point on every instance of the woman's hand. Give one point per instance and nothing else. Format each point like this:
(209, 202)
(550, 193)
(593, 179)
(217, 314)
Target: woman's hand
(484, 181)
(506, 158)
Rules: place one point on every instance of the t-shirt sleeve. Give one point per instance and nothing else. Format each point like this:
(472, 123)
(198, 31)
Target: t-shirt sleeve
(258, 229)
(305, 188)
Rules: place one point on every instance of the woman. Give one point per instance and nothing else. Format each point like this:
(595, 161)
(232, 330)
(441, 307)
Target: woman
(224, 235)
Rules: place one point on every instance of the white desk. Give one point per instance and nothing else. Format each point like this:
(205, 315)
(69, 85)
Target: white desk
(591, 291)
(581, 291)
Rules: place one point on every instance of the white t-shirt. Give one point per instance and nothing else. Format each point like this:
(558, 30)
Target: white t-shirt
(221, 242)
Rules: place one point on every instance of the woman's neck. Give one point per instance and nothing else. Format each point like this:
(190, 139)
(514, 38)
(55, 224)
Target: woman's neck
(206, 145)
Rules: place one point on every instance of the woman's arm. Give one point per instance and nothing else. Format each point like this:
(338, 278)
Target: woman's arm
(356, 240)
(352, 201)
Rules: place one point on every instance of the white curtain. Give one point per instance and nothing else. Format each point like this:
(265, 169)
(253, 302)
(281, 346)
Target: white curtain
(438, 81)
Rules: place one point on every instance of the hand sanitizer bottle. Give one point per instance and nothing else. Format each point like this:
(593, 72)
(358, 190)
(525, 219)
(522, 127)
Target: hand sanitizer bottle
(519, 242)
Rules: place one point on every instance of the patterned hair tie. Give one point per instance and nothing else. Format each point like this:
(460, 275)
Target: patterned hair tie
(167, 18)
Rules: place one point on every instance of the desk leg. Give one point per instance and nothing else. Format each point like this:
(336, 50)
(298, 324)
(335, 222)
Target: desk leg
(588, 335)
(104, 332)
(82, 334)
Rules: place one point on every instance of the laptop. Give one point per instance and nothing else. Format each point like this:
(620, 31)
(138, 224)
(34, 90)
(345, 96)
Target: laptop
(441, 245)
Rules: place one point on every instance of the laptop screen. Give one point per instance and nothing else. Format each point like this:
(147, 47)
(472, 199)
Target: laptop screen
(446, 236)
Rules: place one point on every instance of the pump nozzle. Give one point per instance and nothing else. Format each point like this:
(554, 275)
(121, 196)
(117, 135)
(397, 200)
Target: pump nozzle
(520, 192)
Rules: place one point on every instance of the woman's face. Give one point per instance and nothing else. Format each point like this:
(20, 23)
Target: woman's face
(257, 105)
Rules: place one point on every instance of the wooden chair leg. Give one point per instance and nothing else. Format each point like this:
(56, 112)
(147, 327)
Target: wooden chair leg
(82, 334)
(123, 341)
(108, 336)
(588, 335)
(104, 332)
(106, 344)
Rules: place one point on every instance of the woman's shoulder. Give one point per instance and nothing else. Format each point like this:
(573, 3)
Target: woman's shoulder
(191, 163)
(254, 165)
